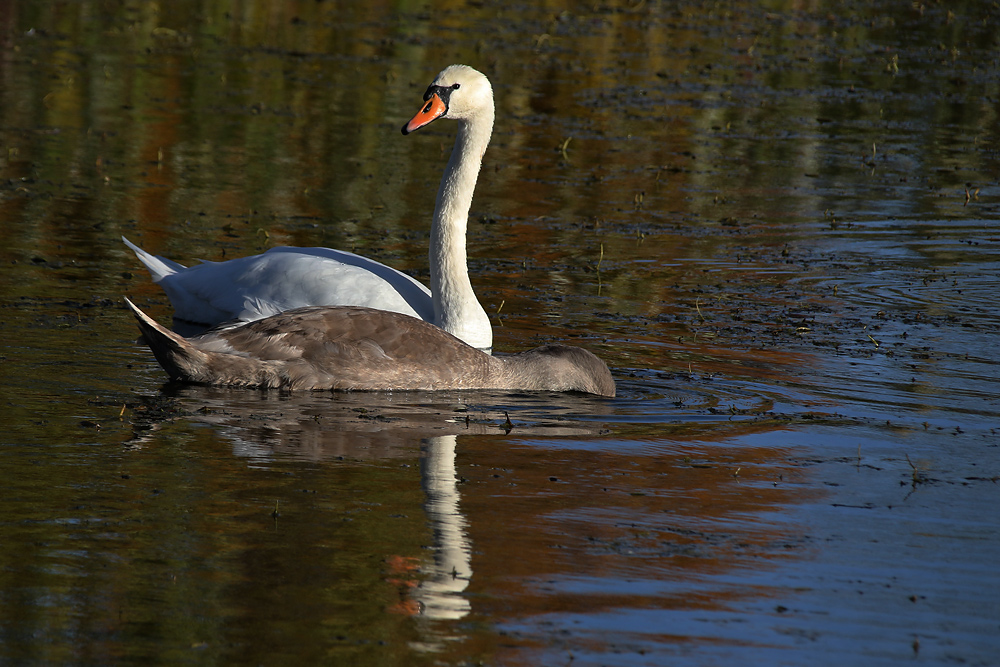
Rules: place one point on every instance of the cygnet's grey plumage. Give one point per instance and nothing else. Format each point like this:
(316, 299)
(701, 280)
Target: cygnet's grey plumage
(353, 348)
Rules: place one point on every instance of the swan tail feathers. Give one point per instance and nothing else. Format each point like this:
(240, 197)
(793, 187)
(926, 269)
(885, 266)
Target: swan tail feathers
(159, 267)
(178, 357)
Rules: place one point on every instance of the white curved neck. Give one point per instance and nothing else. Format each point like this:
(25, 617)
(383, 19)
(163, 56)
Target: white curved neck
(456, 308)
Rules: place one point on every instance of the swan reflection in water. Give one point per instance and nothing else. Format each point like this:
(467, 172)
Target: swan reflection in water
(440, 594)
(267, 426)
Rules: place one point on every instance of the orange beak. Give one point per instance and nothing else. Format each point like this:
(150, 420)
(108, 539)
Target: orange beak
(432, 109)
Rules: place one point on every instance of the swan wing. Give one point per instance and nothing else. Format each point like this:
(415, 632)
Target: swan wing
(251, 288)
(353, 348)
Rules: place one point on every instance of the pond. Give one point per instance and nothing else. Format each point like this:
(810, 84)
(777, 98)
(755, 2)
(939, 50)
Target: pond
(777, 223)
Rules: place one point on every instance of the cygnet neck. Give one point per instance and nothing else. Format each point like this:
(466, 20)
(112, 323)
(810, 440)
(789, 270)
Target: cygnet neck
(553, 368)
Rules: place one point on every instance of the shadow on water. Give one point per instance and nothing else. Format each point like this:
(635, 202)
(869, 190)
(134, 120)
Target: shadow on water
(779, 227)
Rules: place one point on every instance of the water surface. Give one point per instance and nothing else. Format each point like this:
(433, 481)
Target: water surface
(777, 223)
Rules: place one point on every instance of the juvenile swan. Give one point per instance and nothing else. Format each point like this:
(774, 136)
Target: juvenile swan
(250, 288)
(352, 348)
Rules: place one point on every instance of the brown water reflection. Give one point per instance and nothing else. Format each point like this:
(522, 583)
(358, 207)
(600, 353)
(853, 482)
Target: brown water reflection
(635, 523)
(777, 223)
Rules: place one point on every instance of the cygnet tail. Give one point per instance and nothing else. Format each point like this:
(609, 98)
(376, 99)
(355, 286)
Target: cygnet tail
(159, 267)
(179, 358)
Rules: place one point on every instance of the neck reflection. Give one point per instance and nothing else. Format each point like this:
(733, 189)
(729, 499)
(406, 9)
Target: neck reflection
(441, 594)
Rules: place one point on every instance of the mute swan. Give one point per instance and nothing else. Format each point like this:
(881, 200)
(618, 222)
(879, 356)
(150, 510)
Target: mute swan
(352, 348)
(250, 288)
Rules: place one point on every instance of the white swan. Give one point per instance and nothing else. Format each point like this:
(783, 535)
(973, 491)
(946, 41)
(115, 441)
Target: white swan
(351, 348)
(250, 288)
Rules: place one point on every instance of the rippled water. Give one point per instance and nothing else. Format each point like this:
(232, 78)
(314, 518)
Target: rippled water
(778, 224)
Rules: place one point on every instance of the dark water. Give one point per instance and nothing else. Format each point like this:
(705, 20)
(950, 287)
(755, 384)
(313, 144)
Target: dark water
(778, 224)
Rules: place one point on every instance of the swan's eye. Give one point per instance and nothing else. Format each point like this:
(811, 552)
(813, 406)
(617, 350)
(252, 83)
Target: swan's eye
(456, 86)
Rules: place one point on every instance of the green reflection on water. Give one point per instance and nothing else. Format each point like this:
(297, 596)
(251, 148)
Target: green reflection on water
(727, 162)
(169, 548)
